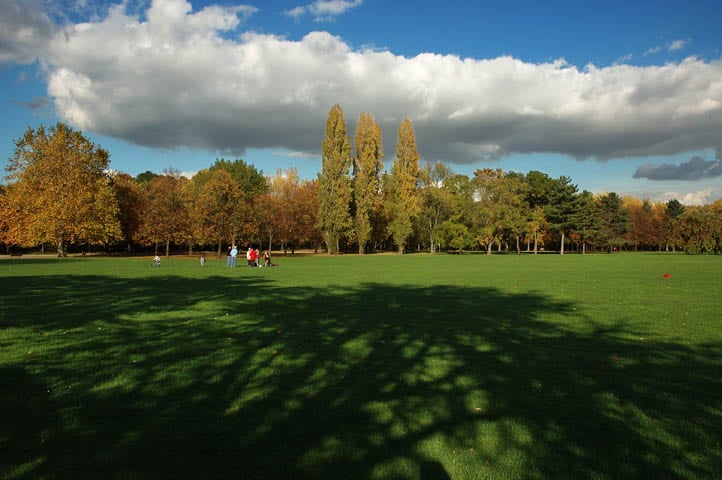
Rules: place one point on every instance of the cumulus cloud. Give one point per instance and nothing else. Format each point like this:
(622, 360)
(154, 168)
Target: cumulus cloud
(695, 169)
(25, 30)
(171, 77)
(701, 197)
(324, 10)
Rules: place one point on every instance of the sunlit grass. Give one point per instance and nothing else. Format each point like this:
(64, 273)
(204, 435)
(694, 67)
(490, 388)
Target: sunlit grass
(419, 366)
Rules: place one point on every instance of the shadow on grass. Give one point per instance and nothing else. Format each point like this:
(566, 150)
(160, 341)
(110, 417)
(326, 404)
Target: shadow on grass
(239, 378)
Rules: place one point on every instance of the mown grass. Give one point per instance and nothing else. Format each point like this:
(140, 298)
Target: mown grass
(381, 367)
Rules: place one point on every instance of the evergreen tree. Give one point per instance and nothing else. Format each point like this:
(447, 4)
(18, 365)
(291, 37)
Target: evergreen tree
(334, 182)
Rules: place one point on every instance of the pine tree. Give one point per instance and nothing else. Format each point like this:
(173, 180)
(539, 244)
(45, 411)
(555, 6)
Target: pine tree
(366, 178)
(403, 204)
(334, 182)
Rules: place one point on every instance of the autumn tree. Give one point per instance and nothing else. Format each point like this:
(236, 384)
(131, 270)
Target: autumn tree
(166, 216)
(367, 168)
(279, 209)
(251, 184)
(306, 227)
(643, 232)
(403, 202)
(129, 195)
(334, 182)
(217, 209)
(60, 190)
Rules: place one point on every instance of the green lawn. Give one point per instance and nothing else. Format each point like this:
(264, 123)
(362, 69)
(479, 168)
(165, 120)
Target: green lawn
(381, 367)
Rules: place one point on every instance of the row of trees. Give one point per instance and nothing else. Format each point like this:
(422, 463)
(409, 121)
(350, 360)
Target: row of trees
(59, 191)
(433, 207)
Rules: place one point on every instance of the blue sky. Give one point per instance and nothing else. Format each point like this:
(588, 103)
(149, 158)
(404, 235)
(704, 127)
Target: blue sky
(619, 96)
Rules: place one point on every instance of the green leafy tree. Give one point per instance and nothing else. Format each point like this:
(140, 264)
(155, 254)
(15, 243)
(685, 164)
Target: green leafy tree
(60, 190)
(561, 208)
(500, 207)
(611, 221)
(583, 225)
(334, 182)
(674, 212)
(436, 200)
(366, 177)
(403, 203)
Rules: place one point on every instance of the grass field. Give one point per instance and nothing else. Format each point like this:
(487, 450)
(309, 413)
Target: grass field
(381, 367)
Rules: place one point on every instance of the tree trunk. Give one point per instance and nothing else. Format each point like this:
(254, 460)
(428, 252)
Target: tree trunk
(561, 250)
(167, 247)
(536, 243)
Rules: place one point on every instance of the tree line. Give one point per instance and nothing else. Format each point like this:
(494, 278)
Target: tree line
(60, 192)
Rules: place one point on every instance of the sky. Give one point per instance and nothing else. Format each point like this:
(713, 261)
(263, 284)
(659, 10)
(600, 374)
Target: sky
(620, 96)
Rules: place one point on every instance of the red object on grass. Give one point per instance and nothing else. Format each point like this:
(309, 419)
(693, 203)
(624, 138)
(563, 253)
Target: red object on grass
(667, 275)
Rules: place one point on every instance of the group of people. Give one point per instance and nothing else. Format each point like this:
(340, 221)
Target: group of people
(253, 257)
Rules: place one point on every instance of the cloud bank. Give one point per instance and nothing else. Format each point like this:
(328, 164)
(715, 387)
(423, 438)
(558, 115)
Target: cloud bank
(174, 77)
(696, 168)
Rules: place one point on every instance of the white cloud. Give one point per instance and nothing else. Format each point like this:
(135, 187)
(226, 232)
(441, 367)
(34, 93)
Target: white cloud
(653, 50)
(175, 78)
(622, 60)
(677, 45)
(702, 197)
(324, 10)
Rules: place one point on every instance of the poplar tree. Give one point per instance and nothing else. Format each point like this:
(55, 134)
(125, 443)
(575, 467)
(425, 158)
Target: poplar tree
(334, 182)
(403, 202)
(366, 179)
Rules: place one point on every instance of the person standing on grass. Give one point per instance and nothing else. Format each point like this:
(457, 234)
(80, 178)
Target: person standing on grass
(234, 254)
(228, 256)
(248, 256)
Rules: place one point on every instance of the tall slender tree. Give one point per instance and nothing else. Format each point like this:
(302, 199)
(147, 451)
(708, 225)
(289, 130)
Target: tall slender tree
(334, 182)
(403, 202)
(367, 168)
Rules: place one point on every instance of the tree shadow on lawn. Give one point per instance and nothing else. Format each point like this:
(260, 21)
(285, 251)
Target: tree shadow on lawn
(239, 378)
